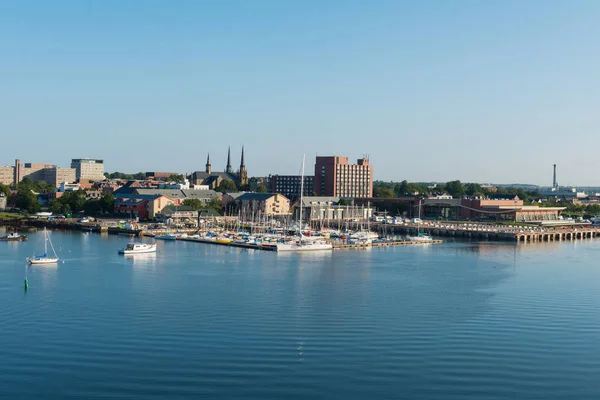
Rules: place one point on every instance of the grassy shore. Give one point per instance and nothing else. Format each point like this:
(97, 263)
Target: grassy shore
(4, 215)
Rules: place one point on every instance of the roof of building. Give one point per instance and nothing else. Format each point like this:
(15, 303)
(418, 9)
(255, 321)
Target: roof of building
(235, 195)
(180, 193)
(214, 174)
(315, 200)
(258, 196)
(135, 198)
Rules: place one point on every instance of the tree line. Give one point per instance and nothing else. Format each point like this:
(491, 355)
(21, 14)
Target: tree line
(454, 188)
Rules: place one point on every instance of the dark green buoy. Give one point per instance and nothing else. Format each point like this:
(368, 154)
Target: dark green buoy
(26, 284)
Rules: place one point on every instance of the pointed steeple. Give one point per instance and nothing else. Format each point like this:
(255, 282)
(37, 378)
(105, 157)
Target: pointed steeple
(208, 167)
(243, 175)
(228, 169)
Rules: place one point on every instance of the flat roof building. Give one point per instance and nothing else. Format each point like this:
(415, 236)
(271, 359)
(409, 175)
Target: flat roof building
(88, 168)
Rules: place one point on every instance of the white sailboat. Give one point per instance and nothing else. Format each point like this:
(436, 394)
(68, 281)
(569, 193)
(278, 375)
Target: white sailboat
(44, 259)
(303, 243)
(421, 236)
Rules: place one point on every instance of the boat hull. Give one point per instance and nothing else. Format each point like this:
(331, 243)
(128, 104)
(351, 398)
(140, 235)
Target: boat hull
(36, 261)
(127, 252)
(303, 248)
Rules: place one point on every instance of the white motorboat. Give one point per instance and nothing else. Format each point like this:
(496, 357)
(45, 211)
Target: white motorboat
(138, 248)
(44, 259)
(167, 236)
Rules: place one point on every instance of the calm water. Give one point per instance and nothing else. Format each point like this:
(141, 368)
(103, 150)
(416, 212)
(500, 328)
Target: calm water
(452, 321)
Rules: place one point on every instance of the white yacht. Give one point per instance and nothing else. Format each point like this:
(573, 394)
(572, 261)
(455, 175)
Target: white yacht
(44, 259)
(138, 248)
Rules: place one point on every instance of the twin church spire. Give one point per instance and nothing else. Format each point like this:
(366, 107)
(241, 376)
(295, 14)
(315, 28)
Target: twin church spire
(242, 176)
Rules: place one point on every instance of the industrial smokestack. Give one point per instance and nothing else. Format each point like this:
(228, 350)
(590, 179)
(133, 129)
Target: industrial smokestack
(554, 184)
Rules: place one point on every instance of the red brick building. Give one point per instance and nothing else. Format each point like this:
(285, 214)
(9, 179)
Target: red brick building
(335, 176)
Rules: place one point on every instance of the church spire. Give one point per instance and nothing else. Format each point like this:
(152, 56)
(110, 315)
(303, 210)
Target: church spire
(228, 169)
(208, 168)
(243, 175)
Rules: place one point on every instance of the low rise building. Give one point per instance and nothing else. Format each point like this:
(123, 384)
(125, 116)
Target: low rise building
(508, 210)
(323, 208)
(178, 216)
(268, 204)
(144, 207)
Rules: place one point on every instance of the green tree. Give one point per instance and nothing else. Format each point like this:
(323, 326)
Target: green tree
(27, 200)
(384, 192)
(473, 189)
(175, 178)
(226, 186)
(261, 188)
(455, 189)
(6, 190)
(92, 207)
(107, 202)
(56, 206)
(196, 204)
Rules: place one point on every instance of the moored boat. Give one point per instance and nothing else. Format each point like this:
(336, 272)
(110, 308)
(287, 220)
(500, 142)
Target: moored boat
(138, 248)
(44, 258)
(14, 237)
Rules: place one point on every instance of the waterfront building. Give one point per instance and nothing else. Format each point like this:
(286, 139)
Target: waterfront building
(178, 216)
(142, 206)
(271, 204)
(289, 185)
(213, 178)
(405, 206)
(508, 210)
(7, 175)
(3, 201)
(324, 208)
(335, 176)
(88, 168)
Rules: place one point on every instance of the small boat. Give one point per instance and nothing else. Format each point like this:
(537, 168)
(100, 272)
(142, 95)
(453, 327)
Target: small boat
(44, 259)
(14, 237)
(167, 236)
(421, 236)
(138, 248)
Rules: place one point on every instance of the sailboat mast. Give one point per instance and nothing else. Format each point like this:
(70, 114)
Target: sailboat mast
(45, 242)
(301, 196)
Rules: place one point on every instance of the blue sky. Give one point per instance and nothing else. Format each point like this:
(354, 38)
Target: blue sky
(487, 91)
